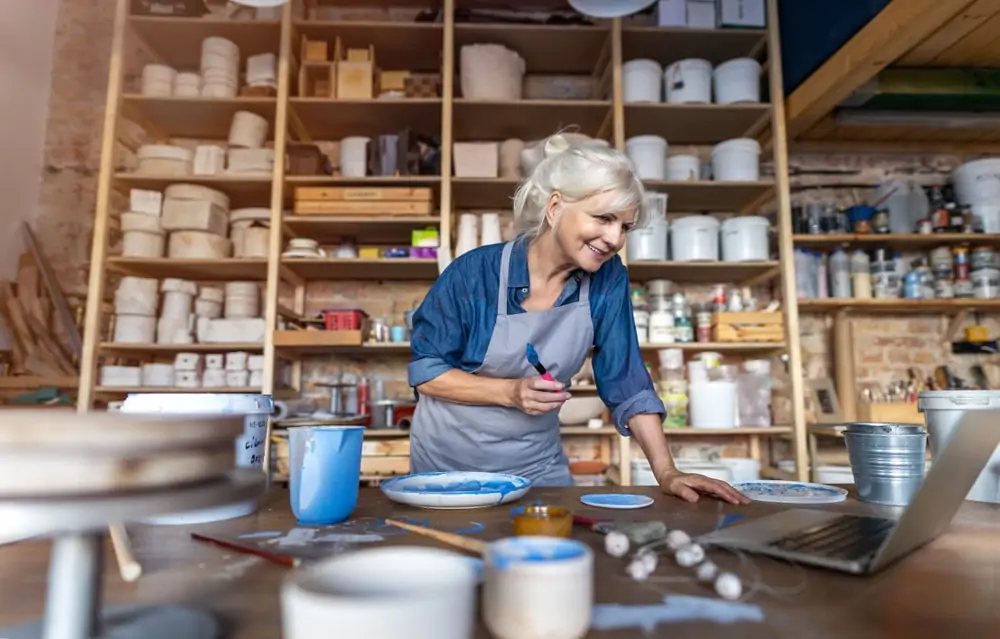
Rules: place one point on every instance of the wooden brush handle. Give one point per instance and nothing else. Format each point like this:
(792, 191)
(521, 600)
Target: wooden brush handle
(128, 566)
(458, 541)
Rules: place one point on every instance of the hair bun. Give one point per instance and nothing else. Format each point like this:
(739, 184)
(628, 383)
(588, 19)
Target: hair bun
(555, 145)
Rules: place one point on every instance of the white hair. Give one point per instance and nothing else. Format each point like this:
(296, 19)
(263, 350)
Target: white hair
(578, 171)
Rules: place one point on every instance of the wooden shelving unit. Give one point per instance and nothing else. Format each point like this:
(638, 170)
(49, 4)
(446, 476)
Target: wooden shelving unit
(596, 50)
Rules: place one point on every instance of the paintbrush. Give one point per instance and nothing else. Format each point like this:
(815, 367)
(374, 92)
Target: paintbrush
(532, 356)
(465, 543)
(284, 560)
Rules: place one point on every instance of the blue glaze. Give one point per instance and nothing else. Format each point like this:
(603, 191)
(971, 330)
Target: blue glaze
(325, 463)
(476, 527)
(532, 355)
(506, 552)
(617, 500)
(799, 492)
(457, 483)
(674, 609)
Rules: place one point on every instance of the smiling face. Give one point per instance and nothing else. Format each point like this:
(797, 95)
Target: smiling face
(589, 232)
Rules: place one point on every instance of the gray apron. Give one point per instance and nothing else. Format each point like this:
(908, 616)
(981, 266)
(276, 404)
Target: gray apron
(449, 436)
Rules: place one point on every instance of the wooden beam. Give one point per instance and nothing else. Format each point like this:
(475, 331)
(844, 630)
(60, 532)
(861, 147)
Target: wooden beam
(900, 147)
(967, 21)
(895, 30)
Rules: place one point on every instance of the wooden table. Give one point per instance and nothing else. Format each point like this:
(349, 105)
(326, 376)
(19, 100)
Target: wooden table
(949, 588)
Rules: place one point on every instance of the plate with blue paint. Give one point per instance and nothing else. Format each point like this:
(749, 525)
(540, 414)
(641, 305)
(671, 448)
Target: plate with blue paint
(619, 501)
(791, 492)
(456, 489)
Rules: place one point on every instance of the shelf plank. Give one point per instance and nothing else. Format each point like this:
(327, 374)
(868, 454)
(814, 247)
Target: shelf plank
(126, 390)
(526, 119)
(242, 191)
(899, 306)
(414, 46)
(725, 432)
(563, 49)
(367, 349)
(366, 229)
(368, 180)
(895, 240)
(403, 269)
(199, 118)
(722, 347)
(667, 45)
(134, 350)
(483, 193)
(332, 119)
(716, 197)
(703, 272)
(177, 40)
(693, 123)
(231, 269)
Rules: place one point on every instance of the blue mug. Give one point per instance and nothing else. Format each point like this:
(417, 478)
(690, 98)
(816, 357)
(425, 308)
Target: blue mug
(325, 472)
(398, 333)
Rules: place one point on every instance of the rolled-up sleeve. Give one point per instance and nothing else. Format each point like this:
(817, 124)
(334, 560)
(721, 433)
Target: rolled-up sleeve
(623, 382)
(440, 331)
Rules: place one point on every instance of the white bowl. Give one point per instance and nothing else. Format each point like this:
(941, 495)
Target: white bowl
(580, 410)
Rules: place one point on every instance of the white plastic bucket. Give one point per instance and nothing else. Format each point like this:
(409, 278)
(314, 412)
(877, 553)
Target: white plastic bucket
(834, 475)
(742, 468)
(688, 81)
(683, 168)
(713, 404)
(736, 160)
(977, 181)
(989, 213)
(943, 410)
(255, 408)
(744, 239)
(648, 154)
(641, 81)
(736, 81)
(695, 238)
(649, 242)
(715, 470)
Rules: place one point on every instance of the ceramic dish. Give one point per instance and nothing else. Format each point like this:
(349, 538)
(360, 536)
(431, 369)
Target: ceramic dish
(453, 490)
(618, 501)
(791, 492)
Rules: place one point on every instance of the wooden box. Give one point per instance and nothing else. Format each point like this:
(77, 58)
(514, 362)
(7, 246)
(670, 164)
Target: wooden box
(317, 79)
(392, 81)
(893, 412)
(748, 326)
(355, 80)
(381, 457)
(306, 339)
(314, 51)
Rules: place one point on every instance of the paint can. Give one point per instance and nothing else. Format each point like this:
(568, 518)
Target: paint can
(255, 408)
(538, 588)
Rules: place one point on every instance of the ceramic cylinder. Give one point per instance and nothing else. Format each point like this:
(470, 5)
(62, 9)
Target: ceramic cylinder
(538, 588)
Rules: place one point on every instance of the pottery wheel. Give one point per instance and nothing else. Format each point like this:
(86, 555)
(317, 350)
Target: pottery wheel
(78, 527)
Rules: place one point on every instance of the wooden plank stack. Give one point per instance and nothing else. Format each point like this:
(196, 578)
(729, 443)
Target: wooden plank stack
(364, 201)
(748, 326)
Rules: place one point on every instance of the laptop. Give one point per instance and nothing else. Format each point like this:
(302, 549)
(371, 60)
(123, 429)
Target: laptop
(863, 545)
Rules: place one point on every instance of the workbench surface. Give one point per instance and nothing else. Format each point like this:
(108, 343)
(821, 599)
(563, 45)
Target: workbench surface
(949, 588)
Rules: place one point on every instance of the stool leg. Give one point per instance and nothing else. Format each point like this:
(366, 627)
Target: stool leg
(73, 600)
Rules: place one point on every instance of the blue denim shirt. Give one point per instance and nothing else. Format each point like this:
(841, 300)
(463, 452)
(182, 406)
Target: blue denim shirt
(454, 324)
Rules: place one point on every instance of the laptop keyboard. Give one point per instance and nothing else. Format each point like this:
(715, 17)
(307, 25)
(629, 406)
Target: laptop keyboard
(848, 537)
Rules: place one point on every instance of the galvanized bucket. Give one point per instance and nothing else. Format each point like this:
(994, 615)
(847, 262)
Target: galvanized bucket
(888, 461)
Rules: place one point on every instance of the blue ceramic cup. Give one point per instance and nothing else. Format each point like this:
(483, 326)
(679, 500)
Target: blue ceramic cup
(325, 472)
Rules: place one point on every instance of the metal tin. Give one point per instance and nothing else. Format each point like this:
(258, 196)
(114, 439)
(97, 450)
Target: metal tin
(983, 257)
(888, 461)
(880, 221)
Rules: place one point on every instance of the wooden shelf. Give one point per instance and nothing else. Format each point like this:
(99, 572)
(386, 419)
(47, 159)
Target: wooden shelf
(483, 193)
(898, 306)
(899, 241)
(694, 123)
(134, 350)
(332, 119)
(527, 119)
(703, 272)
(712, 196)
(224, 270)
(177, 40)
(368, 349)
(370, 180)
(409, 269)
(242, 191)
(723, 347)
(366, 229)
(667, 45)
(571, 49)
(725, 432)
(199, 118)
(414, 46)
(126, 390)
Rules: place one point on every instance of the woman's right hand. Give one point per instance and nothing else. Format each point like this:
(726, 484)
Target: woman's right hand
(537, 396)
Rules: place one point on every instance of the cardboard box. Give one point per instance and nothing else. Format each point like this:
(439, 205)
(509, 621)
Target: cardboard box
(671, 13)
(741, 13)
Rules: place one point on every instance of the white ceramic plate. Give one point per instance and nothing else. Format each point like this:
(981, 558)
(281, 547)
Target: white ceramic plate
(791, 492)
(617, 501)
(453, 490)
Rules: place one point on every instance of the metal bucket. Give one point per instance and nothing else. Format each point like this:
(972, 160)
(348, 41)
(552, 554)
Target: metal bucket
(943, 409)
(887, 461)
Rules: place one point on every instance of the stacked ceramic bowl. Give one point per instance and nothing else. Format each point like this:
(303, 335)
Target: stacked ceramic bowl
(157, 80)
(187, 85)
(220, 68)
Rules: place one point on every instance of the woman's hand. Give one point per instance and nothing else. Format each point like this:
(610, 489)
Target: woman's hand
(537, 396)
(687, 486)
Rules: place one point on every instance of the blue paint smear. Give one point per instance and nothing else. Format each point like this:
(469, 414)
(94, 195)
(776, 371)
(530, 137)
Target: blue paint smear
(517, 511)
(674, 609)
(476, 527)
(616, 499)
(728, 519)
(506, 552)
(264, 534)
(532, 355)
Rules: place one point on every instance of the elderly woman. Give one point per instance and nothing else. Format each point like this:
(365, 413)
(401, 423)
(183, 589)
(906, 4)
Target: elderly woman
(560, 287)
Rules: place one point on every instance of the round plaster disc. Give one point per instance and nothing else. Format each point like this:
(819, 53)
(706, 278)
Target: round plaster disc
(620, 501)
(609, 8)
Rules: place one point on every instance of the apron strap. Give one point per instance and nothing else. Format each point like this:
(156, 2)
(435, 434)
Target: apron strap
(585, 289)
(504, 271)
